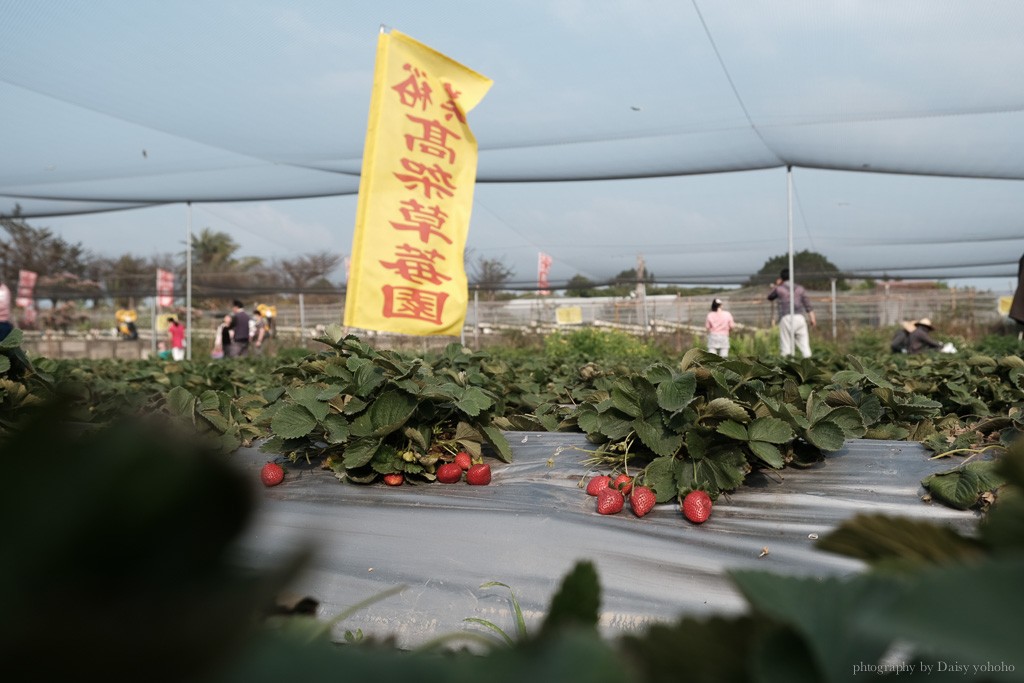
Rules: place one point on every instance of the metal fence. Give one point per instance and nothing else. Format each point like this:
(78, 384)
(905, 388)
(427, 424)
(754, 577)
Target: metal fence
(965, 311)
(958, 308)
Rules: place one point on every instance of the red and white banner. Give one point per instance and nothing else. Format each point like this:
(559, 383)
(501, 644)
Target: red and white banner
(164, 288)
(543, 268)
(26, 284)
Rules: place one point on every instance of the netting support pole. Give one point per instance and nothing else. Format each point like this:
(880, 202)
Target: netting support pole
(792, 272)
(188, 282)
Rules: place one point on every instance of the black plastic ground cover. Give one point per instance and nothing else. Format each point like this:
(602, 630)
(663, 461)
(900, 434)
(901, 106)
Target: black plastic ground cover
(527, 529)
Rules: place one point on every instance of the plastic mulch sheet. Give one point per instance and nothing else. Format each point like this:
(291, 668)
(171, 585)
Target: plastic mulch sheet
(529, 527)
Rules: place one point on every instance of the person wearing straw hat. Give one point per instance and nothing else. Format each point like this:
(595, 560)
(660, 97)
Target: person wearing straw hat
(920, 339)
(719, 323)
(902, 339)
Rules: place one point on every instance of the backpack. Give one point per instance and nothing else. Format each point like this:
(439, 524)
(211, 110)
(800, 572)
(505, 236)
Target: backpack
(900, 342)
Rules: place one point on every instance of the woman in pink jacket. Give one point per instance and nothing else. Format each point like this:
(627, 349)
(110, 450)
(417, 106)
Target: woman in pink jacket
(718, 324)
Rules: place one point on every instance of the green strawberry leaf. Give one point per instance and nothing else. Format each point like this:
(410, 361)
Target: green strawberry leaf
(826, 435)
(653, 434)
(877, 538)
(768, 453)
(725, 409)
(614, 426)
(961, 488)
(677, 393)
(661, 476)
(770, 429)
(181, 402)
(390, 411)
(292, 421)
(360, 452)
(575, 605)
(474, 401)
(588, 419)
(733, 430)
(849, 420)
(820, 611)
(626, 398)
(722, 470)
(499, 442)
(951, 630)
(336, 429)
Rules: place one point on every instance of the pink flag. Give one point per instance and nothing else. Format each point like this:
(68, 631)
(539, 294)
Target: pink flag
(26, 283)
(164, 288)
(543, 268)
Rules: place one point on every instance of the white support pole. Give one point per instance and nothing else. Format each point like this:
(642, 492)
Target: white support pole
(834, 309)
(188, 285)
(476, 317)
(156, 312)
(792, 275)
(302, 320)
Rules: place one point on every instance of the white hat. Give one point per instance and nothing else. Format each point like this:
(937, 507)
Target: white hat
(925, 322)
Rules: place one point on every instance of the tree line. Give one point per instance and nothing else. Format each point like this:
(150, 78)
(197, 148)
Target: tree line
(71, 272)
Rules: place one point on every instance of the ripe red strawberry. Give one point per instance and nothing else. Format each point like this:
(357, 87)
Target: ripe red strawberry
(642, 500)
(609, 501)
(272, 474)
(623, 483)
(697, 506)
(479, 474)
(449, 473)
(463, 460)
(394, 479)
(597, 483)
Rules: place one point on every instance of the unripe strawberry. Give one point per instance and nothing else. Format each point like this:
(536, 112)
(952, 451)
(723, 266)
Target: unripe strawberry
(394, 479)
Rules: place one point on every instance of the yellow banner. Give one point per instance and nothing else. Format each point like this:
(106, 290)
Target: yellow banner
(415, 193)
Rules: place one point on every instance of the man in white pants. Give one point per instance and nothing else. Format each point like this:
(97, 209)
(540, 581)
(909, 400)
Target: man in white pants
(792, 328)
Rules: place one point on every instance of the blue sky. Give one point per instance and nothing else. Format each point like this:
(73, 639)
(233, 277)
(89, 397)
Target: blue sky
(614, 130)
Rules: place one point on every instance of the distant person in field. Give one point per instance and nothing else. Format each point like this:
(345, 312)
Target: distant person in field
(239, 330)
(793, 328)
(221, 338)
(901, 341)
(176, 332)
(5, 311)
(920, 339)
(719, 324)
(257, 330)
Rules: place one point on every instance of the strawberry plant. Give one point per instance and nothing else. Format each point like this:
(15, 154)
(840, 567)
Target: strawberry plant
(710, 421)
(365, 413)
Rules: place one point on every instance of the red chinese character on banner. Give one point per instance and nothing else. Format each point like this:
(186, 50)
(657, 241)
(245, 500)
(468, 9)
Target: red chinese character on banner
(414, 90)
(433, 140)
(426, 221)
(418, 304)
(450, 106)
(432, 179)
(416, 265)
